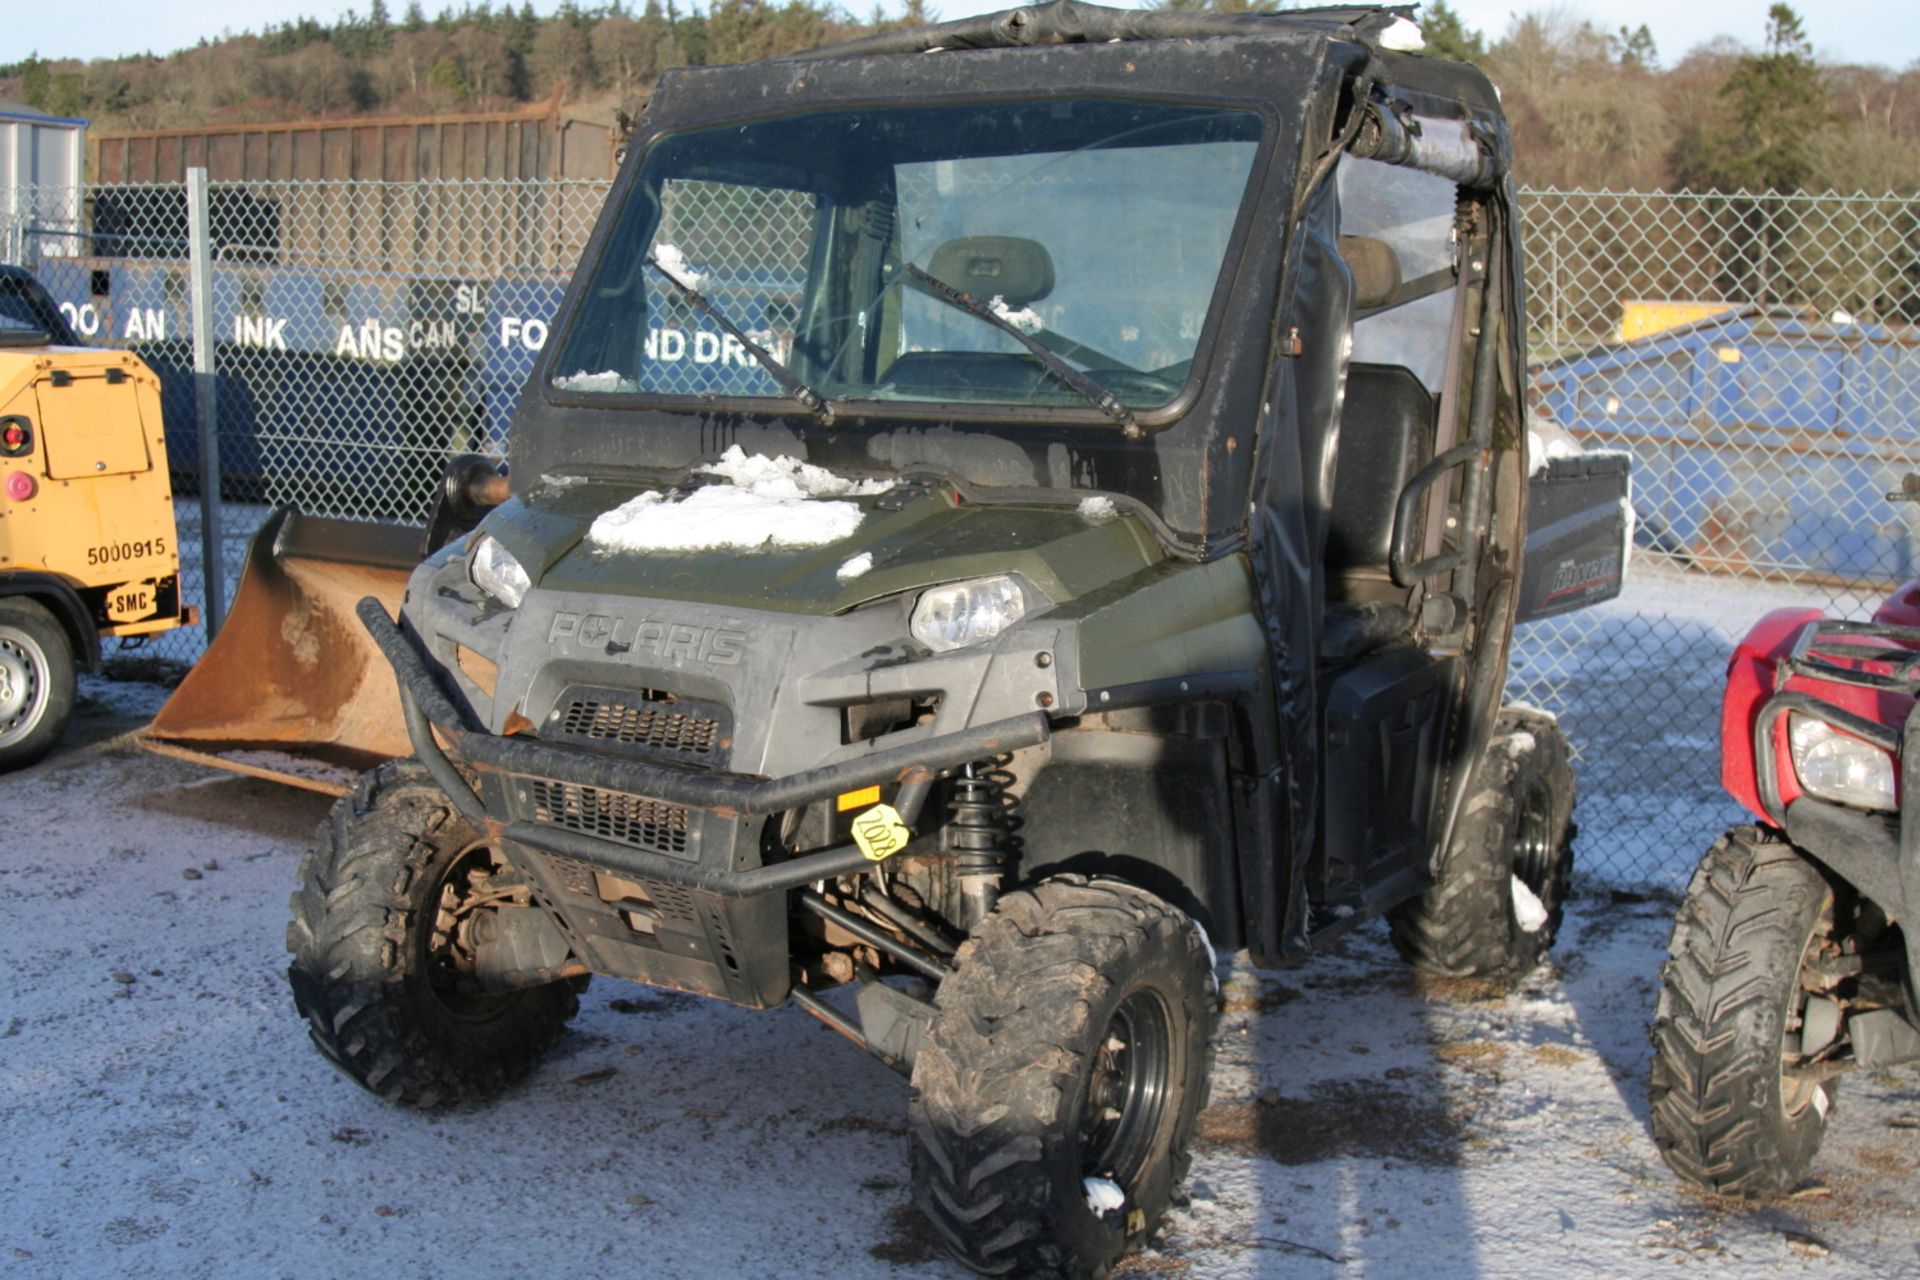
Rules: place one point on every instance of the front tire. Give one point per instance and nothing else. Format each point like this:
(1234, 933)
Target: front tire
(1730, 1113)
(376, 966)
(1496, 901)
(36, 681)
(1070, 1044)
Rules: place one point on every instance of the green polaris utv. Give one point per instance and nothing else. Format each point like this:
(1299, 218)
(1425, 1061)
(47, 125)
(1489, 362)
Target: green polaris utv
(1009, 511)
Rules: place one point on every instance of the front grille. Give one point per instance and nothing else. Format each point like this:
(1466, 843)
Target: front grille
(610, 815)
(642, 721)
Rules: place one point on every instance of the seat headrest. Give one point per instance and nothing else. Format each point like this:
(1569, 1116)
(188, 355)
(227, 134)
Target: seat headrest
(1016, 270)
(1375, 268)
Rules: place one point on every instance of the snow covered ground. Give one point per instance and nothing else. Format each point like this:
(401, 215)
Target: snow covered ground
(163, 1114)
(1636, 683)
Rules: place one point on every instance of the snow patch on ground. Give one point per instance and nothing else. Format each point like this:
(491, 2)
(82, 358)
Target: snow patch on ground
(1026, 319)
(122, 697)
(674, 263)
(1097, 509)
(607, 380)
(1527, 907)
(856, 567)
(165, 1114)
(1104, 1195)
(768, 502)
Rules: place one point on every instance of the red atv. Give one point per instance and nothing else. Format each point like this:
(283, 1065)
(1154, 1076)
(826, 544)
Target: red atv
(1789, 965)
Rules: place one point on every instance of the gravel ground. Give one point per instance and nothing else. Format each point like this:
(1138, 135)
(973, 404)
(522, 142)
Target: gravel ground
(164, 1113)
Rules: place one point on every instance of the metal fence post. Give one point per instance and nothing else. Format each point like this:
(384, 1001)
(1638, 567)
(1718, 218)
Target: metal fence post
(206, 396)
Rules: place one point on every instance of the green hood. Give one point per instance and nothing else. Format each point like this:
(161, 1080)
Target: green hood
(933, 536)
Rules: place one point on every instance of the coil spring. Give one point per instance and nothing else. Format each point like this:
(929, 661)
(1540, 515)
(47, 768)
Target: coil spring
(985, 817)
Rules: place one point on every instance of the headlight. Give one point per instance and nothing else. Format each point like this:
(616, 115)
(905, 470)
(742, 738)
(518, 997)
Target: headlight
(496, 572)
(966, 613)
(1839, 767)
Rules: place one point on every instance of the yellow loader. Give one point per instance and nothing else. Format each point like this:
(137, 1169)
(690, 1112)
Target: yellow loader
(87, 541)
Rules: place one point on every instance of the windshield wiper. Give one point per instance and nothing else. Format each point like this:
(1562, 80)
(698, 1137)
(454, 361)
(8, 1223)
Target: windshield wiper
(809, 399)
(1089, 390)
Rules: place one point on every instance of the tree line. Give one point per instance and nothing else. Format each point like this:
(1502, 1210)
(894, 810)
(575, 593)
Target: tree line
(1590, 107)
(478, 57)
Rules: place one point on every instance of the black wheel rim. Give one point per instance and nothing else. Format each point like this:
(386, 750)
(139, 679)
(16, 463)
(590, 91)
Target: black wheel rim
(446, 945)
(1535, 842)
(1126, 1090)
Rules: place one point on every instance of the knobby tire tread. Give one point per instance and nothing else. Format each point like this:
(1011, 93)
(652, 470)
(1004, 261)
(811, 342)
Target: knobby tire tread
(356, 977)
(1004, 1053)
(1463, 925)
(1733, 964)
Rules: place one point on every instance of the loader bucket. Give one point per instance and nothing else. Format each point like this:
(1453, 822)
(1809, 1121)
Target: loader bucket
(292, 688)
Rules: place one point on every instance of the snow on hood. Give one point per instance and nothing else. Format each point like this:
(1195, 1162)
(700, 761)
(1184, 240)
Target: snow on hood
(788, 477)
(1098, 509)
(767, 503)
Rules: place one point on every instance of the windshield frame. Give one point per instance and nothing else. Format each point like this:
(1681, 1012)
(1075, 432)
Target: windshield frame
(853, 410)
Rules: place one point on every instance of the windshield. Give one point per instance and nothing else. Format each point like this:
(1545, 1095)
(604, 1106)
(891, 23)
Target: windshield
(1097, 228)
(20, 318)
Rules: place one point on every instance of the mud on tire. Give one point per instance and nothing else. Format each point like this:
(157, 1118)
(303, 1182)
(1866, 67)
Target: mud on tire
(1726, 1115)
(377, 1001)
(1071, 1042)
(1517, 824)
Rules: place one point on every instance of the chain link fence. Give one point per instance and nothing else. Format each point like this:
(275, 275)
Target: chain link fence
(1757, 356)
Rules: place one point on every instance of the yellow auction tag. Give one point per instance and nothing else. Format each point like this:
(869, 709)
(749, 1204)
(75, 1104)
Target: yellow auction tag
(880, 833)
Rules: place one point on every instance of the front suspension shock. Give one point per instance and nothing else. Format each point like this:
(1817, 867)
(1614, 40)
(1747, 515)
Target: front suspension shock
(981, 835)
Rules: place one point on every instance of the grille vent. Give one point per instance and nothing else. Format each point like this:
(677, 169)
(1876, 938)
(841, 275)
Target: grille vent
(610, 815)
(643, 721)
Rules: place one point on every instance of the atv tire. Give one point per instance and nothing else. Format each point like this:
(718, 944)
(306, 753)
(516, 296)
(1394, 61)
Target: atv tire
(1516, 826)
(1070, 1043)
(36, 681)
(1727, 1115)
(380, 997)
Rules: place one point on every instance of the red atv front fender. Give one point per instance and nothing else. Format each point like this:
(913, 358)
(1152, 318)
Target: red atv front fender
(1752, 673)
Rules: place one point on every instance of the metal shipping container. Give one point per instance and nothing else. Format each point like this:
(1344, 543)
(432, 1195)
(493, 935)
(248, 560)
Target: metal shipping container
(1766, 440)
(535, 142)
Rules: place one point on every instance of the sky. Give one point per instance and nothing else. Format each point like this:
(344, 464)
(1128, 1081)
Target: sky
(1886, 31)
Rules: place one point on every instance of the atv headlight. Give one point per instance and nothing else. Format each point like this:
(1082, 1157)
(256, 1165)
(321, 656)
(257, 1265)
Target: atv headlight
(496, 572)
(1839, 767)
(965, 613)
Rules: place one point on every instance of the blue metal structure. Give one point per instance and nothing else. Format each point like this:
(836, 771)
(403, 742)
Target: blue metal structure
(1765, 440)
(346, 391)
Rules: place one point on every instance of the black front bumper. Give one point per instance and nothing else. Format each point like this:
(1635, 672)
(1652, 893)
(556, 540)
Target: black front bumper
(428, 710)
